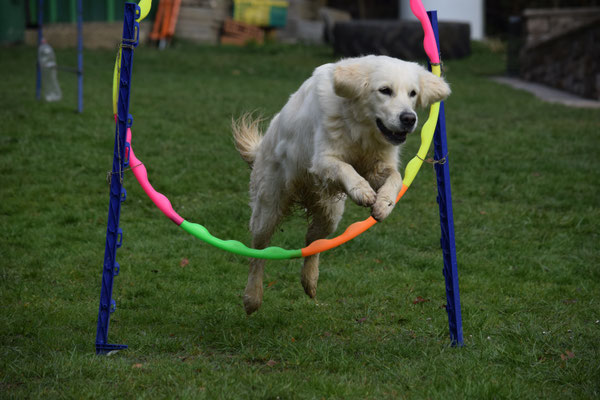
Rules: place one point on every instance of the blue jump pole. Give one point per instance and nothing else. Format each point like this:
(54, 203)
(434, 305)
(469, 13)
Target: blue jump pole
(442, 169)
(79, 56)
(114, 234)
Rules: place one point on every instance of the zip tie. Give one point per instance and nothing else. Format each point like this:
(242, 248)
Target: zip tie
(109, 174)
(430, 160)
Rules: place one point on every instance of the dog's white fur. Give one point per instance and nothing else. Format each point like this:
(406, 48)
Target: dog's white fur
(326, 144)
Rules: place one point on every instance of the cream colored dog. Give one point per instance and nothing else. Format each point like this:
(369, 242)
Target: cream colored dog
(338, 135)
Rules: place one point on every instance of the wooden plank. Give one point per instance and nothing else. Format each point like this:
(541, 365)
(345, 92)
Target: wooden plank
(72, 11)
(201, 13)
(110, 10)
(192, 26)
(53, 11)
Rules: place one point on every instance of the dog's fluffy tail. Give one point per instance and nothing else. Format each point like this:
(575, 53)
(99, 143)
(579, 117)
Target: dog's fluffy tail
(247, 136)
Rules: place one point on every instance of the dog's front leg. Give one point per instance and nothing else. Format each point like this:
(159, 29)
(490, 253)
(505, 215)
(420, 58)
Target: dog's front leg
(386, 195)
(332, 169)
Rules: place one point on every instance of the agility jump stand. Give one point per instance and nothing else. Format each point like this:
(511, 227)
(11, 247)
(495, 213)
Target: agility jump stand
(79, 70)
(444, 199)
(114, 234)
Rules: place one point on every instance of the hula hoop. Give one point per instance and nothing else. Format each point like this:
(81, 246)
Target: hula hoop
(318, 246)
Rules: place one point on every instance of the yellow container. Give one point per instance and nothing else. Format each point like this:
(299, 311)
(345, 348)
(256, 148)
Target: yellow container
(271, 13)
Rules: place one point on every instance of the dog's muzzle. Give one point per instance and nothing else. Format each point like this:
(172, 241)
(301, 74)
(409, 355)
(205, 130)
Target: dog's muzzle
(394, 137)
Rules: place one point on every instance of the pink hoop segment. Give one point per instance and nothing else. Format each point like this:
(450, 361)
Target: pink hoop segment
(429, 43)
(139, 170)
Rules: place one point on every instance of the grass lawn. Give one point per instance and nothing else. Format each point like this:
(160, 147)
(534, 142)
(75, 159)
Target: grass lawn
(527, 210)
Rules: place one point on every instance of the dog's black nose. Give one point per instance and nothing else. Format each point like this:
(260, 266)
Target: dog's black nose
(408, 119)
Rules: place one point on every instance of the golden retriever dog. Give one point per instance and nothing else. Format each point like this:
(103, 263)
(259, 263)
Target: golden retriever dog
(338, 136)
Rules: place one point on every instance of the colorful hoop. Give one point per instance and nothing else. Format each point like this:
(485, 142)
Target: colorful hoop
(318, 246)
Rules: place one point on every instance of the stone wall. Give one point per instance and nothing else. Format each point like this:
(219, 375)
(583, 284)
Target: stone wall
(201, 20)
(562, 50)
(96, 35)
(400, 39)
(542, 25)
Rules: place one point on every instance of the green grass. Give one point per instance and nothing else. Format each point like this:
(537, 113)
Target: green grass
(526, 205)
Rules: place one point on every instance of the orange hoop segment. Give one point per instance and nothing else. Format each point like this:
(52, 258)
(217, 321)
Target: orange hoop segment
(350, 233)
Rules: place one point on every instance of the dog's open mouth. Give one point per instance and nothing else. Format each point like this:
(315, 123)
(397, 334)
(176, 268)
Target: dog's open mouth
(394, 138)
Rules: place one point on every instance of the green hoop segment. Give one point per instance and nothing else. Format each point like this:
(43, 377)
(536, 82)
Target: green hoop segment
(233, 246)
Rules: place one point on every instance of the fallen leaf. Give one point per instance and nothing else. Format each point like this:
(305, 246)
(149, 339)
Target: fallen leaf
(271, 283)
(568, 354)
(293, 340)
(482, 212)
(184, 262)
(361, 320)
(378, 261)
(420, 300)
(137, 365)
(271, 363)
(327, 334)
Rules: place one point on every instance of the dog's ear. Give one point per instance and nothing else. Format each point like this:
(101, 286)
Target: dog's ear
(350, 80)
(433, 89)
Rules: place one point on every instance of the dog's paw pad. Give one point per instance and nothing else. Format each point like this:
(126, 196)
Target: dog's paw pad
(363, 195)
(382, 208)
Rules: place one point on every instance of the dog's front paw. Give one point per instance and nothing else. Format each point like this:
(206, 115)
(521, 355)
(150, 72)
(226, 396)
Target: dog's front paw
(382, 208)
(363, 195)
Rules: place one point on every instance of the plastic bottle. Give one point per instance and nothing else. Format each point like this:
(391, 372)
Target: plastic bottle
(47, 60)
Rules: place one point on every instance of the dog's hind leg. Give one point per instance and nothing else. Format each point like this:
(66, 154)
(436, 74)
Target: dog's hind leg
(262, 224)
(324, 220)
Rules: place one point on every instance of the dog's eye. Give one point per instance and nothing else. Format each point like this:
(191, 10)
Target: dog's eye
(412, 93)
(385, 90)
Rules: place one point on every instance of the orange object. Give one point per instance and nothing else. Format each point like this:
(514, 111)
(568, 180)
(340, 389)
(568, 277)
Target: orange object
(155, 35)
(239, 33)
(173, 18)
(350, 233)
(166, 19)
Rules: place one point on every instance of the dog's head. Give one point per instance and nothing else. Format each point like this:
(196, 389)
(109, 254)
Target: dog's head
(385, 91)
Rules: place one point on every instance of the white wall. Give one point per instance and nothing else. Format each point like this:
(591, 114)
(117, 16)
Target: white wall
(470, 11)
